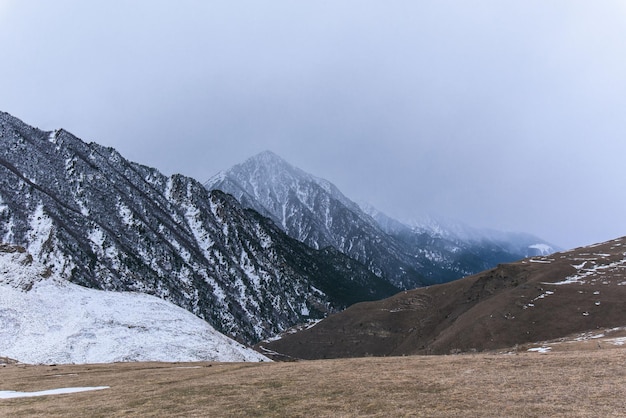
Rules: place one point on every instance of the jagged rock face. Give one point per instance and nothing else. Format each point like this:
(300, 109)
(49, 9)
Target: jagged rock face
(314, 211)
(103, 222)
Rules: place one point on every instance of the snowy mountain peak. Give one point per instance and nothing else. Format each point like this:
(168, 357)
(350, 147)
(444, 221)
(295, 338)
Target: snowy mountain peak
(268, 157)
(266, 169)
(270, 185)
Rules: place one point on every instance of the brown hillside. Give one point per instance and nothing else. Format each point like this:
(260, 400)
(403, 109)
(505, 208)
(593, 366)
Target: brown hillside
(535, 299)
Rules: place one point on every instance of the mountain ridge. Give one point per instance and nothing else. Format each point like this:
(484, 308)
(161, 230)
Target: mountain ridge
(107, 223)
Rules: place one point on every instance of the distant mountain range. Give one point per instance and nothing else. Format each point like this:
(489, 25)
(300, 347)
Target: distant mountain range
(286, 249)
(315, 212)
(45, 319)
(536, 299)
(107, 223)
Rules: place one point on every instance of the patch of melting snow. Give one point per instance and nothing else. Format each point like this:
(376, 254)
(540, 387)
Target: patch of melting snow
(543, 349)
(541, 296)
(10, 394)
(269, 352)
(313, 323)
(534, 260)
(617, 341)
(595, 270)
(588, 336)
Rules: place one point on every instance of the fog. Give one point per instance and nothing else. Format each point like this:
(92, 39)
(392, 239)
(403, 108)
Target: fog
(505, 115)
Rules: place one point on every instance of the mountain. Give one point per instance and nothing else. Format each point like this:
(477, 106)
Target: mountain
(459, 248)
(314, 211)
(103, 222)
(519, 244)
(535, 299)
(46, 319)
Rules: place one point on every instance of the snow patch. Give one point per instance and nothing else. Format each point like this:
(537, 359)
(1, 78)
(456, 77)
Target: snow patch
(40, 230)
(543, 349)
(542, 261)
(126, 214)
(11, 394)
(593, 271)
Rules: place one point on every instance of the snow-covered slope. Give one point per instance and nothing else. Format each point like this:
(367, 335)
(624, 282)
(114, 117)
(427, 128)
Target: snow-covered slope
(45, 319)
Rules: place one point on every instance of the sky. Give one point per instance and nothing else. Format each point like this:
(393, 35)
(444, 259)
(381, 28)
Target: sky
(508, 115)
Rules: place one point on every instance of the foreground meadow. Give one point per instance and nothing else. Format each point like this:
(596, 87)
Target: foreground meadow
(561, 383)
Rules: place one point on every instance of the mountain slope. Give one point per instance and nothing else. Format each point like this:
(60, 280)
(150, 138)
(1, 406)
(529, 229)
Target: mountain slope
(314, 211)
(535, 299)
(107, 223)
(458, 250)
(45, 319)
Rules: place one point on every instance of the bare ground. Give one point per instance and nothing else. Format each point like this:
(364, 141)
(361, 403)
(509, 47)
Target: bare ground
(587, 382)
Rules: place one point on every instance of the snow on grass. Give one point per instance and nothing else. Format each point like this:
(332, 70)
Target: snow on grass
(531, 304)
(543, 261)
(543, 349)
(617, 341)
(595, 270)
(11, 394)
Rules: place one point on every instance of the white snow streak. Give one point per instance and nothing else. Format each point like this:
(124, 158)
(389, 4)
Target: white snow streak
(11, 394)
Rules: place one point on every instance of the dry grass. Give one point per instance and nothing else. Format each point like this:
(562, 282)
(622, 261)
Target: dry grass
(572, 383)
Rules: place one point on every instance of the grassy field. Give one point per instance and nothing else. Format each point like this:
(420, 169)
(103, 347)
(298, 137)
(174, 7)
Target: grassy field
(588, 382)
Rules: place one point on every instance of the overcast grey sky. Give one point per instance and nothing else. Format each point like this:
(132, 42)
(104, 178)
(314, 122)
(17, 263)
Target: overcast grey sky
(502, 114)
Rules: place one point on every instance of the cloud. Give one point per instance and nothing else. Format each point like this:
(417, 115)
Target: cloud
(502, 114)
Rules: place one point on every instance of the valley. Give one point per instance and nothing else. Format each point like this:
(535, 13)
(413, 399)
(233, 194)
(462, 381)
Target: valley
(583, 381)
(312, 209)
